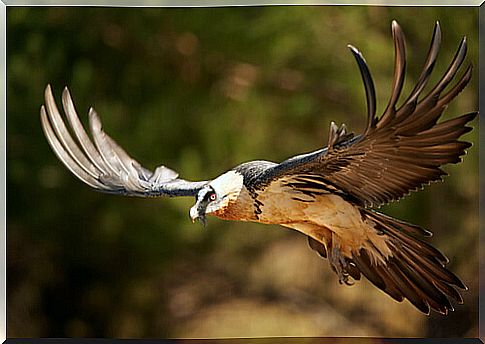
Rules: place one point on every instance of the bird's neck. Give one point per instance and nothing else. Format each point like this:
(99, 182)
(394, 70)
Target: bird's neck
(240, 208)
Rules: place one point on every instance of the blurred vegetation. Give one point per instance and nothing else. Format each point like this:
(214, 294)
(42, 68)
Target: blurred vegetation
(201, 90)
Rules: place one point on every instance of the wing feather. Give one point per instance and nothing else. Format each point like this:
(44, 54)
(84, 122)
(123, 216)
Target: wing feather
(400, 152)
(78, 129)
(370, 92)
(63, 135)
(104, 165)
(399, 72)
(62, 154)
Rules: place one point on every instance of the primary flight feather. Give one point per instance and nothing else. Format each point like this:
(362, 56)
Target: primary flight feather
(328, 194)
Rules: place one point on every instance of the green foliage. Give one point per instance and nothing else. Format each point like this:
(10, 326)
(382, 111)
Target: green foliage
(201, 90)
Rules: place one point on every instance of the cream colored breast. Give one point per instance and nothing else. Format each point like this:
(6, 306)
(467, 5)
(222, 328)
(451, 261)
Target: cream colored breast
(240, 208)
(278, 204)
(283, 205)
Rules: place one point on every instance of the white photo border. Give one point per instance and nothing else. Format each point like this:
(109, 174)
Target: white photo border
(208, 3)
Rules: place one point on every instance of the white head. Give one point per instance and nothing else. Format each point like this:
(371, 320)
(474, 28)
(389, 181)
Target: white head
(217, 195)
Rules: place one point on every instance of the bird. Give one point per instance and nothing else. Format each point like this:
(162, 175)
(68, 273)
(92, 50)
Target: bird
(330, 195)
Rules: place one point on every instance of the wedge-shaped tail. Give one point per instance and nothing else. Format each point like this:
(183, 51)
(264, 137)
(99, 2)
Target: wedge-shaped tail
(415, 271)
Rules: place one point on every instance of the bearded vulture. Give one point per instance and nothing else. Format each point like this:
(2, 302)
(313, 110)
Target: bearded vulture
(329, 194)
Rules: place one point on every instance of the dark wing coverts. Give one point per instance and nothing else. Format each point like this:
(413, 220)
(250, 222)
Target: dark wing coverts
(104, 165)
(397, 153)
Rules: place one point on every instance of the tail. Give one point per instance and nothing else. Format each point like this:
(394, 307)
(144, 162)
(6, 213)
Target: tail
(413, 270)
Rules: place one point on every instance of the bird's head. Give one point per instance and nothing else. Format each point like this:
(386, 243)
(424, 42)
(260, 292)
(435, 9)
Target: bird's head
(216, 196)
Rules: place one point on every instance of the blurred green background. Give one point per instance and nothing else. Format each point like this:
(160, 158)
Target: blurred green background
(202, 90)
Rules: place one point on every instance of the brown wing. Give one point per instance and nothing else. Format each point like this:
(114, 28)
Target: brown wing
(399, 152)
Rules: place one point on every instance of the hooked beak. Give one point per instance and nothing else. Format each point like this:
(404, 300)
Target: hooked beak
(196, 213)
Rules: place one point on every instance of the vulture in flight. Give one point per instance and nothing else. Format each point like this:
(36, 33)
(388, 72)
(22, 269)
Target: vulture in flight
(330, 194)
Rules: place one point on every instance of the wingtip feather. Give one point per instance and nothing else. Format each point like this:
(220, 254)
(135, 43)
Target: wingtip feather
(395, 27)
(354, 50)
(66, 94)
(94, 120)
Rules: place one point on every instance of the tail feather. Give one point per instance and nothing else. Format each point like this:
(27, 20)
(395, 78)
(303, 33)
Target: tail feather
(415, 270)
(438, 283)
(407, 288)
(429, 267)
(377, 274)
(400, 232)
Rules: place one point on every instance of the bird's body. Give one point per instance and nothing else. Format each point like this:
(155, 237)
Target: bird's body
(328, 194)
(325, 217)
(281, 204)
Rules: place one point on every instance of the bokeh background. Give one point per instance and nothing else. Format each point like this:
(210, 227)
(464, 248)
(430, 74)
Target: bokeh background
(201, 90)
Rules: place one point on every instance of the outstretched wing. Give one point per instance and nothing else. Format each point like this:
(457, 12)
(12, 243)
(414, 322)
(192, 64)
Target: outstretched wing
(104, 165)
(397, 153)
